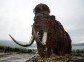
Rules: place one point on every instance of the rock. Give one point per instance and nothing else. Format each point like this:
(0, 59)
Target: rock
(33, 59)
(68, 58)
(77, 58)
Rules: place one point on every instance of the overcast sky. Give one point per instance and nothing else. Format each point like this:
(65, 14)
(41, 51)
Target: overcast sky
(16, 17)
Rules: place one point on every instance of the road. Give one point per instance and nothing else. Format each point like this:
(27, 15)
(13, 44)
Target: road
(16, 58)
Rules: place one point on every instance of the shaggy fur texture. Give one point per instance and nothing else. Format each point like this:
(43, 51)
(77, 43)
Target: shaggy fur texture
(58, 40)
(41, 8)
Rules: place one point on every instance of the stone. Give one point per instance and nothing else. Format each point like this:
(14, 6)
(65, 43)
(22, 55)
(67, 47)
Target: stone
(71, 58)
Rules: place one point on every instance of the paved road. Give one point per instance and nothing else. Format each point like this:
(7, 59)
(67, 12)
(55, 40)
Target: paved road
(16, 58)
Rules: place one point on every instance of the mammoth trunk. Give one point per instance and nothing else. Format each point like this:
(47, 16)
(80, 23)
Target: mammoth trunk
(42, 37)
(41, 45)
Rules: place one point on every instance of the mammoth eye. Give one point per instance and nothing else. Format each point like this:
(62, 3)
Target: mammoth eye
(37, 33)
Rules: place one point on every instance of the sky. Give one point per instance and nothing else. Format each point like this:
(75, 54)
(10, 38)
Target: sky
(16, 18)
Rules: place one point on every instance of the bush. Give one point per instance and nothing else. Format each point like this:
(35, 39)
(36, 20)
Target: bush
(78, 51)
(19, 50)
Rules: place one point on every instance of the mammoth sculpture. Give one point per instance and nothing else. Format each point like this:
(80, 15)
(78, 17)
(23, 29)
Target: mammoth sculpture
(48, 33)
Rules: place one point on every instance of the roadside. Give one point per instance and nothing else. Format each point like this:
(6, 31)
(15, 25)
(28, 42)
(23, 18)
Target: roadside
(4, 55)
(16, 57)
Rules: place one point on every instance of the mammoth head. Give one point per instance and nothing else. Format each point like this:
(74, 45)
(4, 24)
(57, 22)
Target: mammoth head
(41, 21)
(41, 26)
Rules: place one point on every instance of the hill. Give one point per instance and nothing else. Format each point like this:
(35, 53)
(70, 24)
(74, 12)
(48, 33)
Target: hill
(79, 44)
(13, 44)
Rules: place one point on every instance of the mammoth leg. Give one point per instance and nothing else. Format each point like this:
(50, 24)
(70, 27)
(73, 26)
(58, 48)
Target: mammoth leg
(55, 51)
(49, 52)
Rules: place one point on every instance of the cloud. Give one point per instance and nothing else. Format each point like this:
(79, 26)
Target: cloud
(16, 17)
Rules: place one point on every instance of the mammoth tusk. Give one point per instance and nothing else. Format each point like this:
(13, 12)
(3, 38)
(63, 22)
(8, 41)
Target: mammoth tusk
(36, 37)
(30, 42)
(35, 34)
(44, 39)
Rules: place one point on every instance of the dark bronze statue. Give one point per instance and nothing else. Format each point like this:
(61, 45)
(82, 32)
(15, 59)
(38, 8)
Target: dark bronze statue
(48, 33)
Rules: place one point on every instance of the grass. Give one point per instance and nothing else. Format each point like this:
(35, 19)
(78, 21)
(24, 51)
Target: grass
(3, 56)
(19, 50)
(78, 51)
